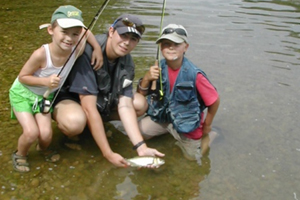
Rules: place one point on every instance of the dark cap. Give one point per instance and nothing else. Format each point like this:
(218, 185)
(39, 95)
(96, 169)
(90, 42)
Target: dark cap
(127, 23)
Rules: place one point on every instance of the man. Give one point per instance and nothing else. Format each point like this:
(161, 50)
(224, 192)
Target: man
(106, 94)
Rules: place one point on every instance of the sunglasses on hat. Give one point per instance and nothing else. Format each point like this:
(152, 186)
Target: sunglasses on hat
(127, 22)
(179, 31)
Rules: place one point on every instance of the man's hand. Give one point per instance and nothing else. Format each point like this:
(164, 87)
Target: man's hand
(146, 151)
(117, 160)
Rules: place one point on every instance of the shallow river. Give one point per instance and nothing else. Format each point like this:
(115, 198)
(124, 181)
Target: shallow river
(249, 49)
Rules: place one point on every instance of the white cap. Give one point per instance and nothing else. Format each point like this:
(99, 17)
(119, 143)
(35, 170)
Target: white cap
(175, 33)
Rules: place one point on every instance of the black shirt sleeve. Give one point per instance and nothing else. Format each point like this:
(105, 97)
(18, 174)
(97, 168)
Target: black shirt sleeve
(82, 78)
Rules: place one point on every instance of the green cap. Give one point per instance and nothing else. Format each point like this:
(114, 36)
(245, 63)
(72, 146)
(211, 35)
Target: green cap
(67, 16)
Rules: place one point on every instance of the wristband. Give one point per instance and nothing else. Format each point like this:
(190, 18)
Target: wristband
(140, 87)
(135, 147)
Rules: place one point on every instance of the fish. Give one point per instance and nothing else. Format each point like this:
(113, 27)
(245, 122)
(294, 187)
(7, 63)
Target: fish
(144, 161)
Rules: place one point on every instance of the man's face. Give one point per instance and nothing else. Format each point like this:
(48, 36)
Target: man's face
(122, 44)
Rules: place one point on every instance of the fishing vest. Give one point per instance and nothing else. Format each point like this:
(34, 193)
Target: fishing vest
(183, 106)
(110, 85)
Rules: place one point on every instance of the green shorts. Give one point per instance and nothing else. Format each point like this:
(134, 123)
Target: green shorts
(24, 100)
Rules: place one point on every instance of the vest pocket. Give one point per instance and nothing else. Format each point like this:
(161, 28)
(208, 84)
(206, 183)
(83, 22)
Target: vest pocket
(184, 91)
(185, 116)
(187, 123)
(103, 80)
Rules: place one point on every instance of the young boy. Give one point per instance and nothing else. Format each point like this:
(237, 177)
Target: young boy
(40, 74)
(186, 93)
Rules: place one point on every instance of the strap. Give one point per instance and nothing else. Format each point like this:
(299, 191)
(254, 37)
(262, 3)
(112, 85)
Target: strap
(135, 147)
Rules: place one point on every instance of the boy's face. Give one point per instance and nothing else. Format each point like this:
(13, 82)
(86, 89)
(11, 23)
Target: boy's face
(173, 51)
(122, 44)
(65, 38)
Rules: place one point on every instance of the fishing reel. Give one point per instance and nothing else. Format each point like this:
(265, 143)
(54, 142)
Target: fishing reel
(157, 95)
(45, 106)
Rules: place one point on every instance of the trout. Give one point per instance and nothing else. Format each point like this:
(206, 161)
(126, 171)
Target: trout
(144, 161)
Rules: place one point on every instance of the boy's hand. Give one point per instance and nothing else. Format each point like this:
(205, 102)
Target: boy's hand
(206, 129)
(153, 73)
(53, 81)
(97, 59)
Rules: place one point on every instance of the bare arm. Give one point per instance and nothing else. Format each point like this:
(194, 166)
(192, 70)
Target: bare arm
(37, 60)
(88, 103)
(97, 57)
(211, 112)
(129, 119)
(151, 75)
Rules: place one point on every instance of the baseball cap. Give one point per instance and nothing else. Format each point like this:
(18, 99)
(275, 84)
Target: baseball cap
(67, 16)
(174, 32)
(128, 23)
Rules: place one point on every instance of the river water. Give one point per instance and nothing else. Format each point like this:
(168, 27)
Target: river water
(249, 49)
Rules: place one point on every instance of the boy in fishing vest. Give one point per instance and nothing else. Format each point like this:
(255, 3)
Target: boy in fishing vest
(185, 92)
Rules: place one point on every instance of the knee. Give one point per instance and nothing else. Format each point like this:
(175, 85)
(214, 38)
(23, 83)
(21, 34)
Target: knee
(72, 125)
(70, 118)
(31, 134)
(140, 104)
(46, 133)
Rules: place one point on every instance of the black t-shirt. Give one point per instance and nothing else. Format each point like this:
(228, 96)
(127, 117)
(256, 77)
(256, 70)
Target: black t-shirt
(82, 79)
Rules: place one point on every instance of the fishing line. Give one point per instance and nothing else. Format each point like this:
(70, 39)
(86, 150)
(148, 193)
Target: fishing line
(90, 27)
(157, 63)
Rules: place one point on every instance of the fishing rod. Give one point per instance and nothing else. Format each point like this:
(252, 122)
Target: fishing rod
(154, 95)
(45, 104)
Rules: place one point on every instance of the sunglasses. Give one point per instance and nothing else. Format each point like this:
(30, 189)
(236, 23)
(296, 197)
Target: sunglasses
(179, 31)
(127, 22)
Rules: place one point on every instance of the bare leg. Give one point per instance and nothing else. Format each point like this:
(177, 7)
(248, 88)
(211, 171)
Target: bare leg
(45, 137)
(70, 117)
(28, 137)
(45, 129)
(30, 132)
(71, 120)
(140, 104)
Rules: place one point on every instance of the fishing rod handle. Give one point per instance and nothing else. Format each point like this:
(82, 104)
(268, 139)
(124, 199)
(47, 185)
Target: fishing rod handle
(47, 93)
(153, 86)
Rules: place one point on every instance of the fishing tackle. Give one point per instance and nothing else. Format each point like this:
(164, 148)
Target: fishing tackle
(158, 94)
(45, 106)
